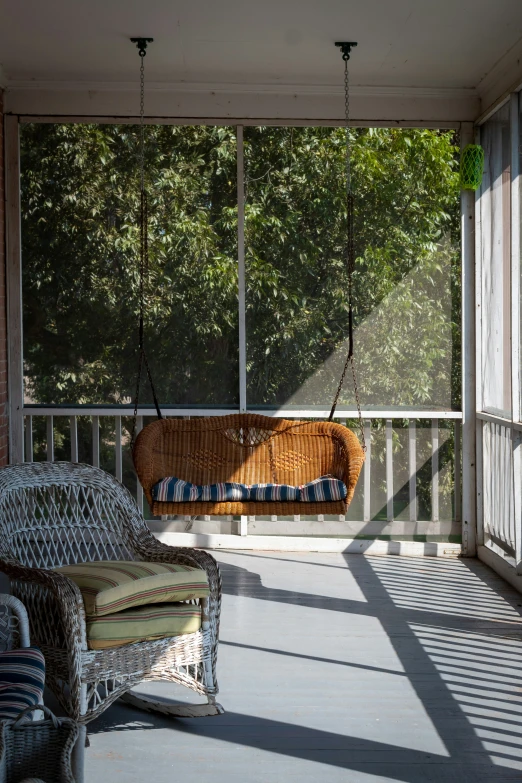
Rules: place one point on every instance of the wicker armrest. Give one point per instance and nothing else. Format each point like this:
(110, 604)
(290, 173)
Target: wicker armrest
(153, 551)
(51, 600)
(352, 466)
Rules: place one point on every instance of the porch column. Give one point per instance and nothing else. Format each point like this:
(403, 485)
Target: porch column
(4, 421)
(13, 266)
(469, 423)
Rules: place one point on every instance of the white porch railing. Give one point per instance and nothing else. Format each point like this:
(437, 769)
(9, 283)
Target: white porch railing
(391, 467)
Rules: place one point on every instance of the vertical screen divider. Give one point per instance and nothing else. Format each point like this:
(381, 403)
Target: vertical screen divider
(241, 267)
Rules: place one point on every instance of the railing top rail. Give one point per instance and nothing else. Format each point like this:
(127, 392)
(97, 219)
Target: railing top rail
(288, 413)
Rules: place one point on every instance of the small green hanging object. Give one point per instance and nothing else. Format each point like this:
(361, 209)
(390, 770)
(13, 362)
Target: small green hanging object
(471, 167)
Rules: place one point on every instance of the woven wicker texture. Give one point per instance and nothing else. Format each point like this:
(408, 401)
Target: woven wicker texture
(55, 514)
(247, 449)
(43, 748)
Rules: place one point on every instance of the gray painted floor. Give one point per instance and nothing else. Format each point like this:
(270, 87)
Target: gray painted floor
(342, 668)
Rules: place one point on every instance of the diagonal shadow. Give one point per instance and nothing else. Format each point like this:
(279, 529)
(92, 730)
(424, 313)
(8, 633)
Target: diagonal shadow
(467, 757)
(444, 457)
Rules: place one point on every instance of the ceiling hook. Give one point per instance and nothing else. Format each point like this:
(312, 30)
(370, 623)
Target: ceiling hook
(141, 43)
(346, 48)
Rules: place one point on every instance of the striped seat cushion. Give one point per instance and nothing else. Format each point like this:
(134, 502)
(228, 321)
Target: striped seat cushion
(22, 678)
(174, 490)
(322, 489)
(262, 492)
(143, 623)
(113, 586)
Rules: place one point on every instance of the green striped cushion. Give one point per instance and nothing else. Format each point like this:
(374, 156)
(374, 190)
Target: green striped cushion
(143, 623)
(114, 586)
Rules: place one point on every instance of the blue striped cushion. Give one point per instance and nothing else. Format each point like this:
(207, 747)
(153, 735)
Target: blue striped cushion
(22, 677)
(322, 489)
(176, 490)
(218, 493)
(273, 492)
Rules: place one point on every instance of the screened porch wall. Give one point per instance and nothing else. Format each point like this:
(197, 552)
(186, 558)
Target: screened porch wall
(412, 477)
(499, 425)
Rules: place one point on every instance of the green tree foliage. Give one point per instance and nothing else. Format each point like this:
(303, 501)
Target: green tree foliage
(406, 280)
(80, 197)
(80, 237)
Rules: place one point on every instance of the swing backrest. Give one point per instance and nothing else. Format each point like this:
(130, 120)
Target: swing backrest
(247, 449)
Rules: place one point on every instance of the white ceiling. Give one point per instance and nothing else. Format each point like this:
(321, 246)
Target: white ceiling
(402, 43)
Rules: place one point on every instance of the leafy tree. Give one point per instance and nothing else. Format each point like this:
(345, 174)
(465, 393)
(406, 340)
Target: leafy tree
(406, 279)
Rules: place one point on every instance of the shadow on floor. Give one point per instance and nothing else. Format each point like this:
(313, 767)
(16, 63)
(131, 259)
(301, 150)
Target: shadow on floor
(456, 631)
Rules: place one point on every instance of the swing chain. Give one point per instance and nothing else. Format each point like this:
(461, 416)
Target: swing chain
(144, 247)
(350, 249)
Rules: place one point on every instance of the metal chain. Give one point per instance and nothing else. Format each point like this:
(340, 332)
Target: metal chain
(144, 257)
(350, 257)
(142, 122)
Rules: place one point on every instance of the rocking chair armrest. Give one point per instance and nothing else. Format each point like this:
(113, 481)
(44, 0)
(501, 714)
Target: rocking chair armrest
(65, 594)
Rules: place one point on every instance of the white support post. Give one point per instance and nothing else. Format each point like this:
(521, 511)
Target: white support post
(50, 439)
(412, 460)
(480, 483)
(241, 281)
(74, 438)
(469, 489)
(435, 470)
(243, 525)
(96, 441)
(118, 447)
(139, 488)
(389, 470)
(457, 469)
(29, 447)
(367, 510)
(15, 377)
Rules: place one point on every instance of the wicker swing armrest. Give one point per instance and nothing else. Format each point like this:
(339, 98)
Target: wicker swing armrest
(351, 467)
(54, 605)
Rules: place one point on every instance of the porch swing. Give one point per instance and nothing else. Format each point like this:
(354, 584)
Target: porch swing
(246, 463)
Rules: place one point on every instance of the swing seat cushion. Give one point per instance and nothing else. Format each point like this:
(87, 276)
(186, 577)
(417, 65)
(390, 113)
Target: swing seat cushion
(174, 490)
(143, 623)
(114, 586)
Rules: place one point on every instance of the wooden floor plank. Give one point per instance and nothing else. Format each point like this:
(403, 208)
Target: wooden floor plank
(342, 668)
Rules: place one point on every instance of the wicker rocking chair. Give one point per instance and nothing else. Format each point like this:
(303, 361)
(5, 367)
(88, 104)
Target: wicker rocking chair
(55, 514)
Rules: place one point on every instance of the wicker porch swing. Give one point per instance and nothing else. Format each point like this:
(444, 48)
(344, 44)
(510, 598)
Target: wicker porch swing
(247, 463)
